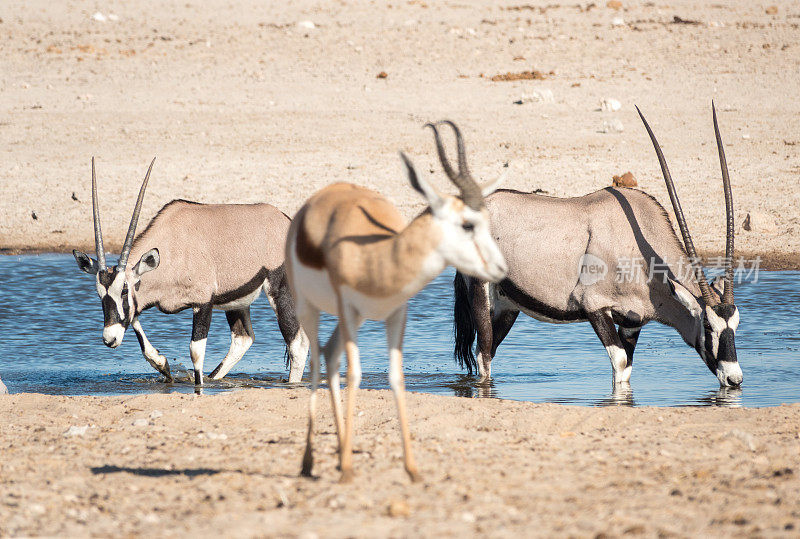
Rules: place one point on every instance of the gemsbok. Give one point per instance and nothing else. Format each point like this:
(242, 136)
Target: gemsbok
(350, 253)
(609, 257)
(203, 257)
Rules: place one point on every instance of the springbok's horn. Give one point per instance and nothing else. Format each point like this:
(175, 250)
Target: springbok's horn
(705, 289)
(98, 234)
(470, 190)
(126, 247)
(727, 294)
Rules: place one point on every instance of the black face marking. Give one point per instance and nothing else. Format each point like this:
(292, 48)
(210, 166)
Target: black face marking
(724, 311)
(110, 312)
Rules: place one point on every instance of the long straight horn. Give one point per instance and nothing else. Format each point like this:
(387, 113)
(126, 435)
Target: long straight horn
(98, 234)
(727, 294)
(470, 190)
(126, 247)
(705, 289)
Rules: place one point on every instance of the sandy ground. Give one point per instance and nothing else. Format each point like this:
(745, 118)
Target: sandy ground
(241, 103)
(228, 465)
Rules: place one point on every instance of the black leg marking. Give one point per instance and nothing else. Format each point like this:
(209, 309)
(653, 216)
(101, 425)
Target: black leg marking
(501, 325)
(629, 338)
(201, 322)
(603, 326)
(482, 314)
(285, 312)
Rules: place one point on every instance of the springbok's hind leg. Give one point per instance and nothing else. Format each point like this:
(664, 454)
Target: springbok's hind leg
(309, 319)
(603, 325)
(349, 324)
(201, 322)
(280, 297)
(395, 327)
(242, 338)
(150, 353)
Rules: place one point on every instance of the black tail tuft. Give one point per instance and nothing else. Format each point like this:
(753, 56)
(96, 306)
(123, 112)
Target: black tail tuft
(463, 325)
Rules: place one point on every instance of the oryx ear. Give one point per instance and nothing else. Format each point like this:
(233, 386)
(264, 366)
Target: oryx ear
(491, 187)
(685, 298)
(435, 200)
(148, 262)
(86, 263)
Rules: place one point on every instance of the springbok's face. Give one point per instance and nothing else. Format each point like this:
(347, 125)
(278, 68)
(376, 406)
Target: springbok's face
(116, 289)
(719, 346)
(466, 241)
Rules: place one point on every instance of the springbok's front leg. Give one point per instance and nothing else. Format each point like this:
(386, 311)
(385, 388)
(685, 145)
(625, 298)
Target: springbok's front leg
(395, 328)
(150, 353)
(603, 325)
(197, 348)
(309, 319)
(242, 338)
(348, 324)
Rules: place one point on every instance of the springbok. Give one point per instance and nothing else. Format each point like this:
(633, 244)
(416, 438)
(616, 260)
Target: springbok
(609, 257)
(207, 256)
(350, 253)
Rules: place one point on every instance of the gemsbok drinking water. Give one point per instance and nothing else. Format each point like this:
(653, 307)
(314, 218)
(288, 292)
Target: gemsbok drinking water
(200, 257)
(609, 257)
(350, 253)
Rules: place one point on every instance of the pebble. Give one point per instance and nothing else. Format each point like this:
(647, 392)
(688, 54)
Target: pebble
(612, 126)
(141, 422)
(543, 95)
(398, 508)
(617, 21)
(99, 17)
(308, 25)
(757, 221)
(609, 104)
(155, 414)
(74, 430)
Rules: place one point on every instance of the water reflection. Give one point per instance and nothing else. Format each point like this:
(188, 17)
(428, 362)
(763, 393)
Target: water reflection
(621, 395)
(725, 397)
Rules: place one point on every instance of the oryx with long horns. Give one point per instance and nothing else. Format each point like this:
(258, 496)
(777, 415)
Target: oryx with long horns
(350, 253)
(610, 258)
(200, 257)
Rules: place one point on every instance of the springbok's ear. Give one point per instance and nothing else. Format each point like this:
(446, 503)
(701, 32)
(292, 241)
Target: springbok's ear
(148, 262)
(86, 263)
(491, 187)
(685, 298)
(718, 285)
(434, 199)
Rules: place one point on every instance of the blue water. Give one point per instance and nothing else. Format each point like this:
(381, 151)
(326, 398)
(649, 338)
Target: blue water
(51, 324)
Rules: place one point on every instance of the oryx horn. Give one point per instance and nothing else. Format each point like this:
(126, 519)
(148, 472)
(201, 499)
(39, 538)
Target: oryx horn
(470, 190)
(727, 294)
(705, 289)
(126, 247)
(98, 234)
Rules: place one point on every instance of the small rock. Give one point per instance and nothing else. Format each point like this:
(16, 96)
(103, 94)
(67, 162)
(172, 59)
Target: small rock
(36, 509)
(113, 17)
(74, 430)
(609, 104)
(308, 25)
(75, 197)
(34, 216)
(468, 517)
(612, 126)
(543, 95)
(99, 17)
(759, 222)
(141, 422)
(614, 4)
(745, 437)
(745, 136)
(382, 75)
(625, 180)
(155, 414)
(772, 10)
(617, 21)
(398, 508)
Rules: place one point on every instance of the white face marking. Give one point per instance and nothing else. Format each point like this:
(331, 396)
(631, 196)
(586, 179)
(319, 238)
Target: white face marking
(471, 250)
(113, 335)
(718, 324)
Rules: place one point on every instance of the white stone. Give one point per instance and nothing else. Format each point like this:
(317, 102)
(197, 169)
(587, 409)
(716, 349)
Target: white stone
(308, 25)
(609, 104)
(99, 17)
(74, 430)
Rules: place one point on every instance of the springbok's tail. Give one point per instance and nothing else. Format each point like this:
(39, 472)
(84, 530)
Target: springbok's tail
(463, 325)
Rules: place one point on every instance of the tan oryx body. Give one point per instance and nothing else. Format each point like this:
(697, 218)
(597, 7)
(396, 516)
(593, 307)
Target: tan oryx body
(200, 257)
(350, 253)
(609, 258)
